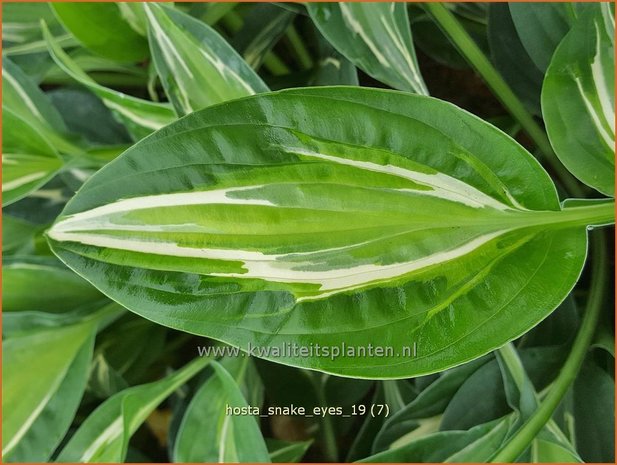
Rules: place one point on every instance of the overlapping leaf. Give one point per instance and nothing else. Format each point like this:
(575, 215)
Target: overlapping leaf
(375, 37)
(28, 159)
(209, 433)
(196, 65)
(102, 28)
(578, 98)
(140, 117)
(104, 435)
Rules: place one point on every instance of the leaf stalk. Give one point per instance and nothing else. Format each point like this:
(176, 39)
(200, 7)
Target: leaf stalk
(525, 435)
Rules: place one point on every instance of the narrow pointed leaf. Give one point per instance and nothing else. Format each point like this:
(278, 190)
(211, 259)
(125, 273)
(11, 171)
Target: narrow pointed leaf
(21, 95)
(263, 26)
(140, 117)
(209, 434)
(102, 28)
(403, 222)
(104, 435)
(44, 375)
(287, 452)
(375, 37)
(578, 98)
(28, 159)
(196, 65)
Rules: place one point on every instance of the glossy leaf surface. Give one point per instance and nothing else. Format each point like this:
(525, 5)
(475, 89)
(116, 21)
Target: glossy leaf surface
(578, 99)
(375, 37)
(196, 65)
(413, 216)
(209, 434)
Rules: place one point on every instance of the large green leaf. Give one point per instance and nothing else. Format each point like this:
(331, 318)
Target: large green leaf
(28, 158)
(209, 433)
(196, 65)
(375, 37)
(259, 221)
(104, 435)
(578, 98)
(102, 28)
(44, 374)
(140, 117)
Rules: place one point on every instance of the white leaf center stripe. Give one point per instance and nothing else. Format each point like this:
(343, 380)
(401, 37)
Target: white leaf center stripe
(390, 249)
(274, 268)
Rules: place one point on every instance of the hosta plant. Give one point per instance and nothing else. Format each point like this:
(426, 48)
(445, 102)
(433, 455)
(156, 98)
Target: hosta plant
(371, 232)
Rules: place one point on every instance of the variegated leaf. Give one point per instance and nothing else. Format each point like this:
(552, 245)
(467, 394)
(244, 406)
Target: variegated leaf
(331, 215)
(197, 67)
(578, 98)
(28, 158)
(26, 100)
(140, 117)
(208, 433)
(104, 435)
(375, 37)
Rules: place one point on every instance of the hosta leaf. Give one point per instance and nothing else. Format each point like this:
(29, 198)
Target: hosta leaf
(332, 68)
(444, 445)
(578, 98)
(287, 452)
(20, 21)
(25, 99)
(375, 37)
(259, 221)
(140, 117)
(44, 374)
(28, 159)
(104, 435)
(594, 417)
(430, 403)
(102, 28)
(18, 235)
(196, 65)
(263, 26)
(58, 288)
(209, 434)
(540, 27)
(85, 114)
(511, 58)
